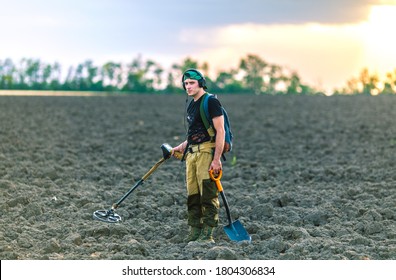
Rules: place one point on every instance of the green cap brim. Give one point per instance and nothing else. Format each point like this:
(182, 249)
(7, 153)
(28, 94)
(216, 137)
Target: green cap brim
(191, 75)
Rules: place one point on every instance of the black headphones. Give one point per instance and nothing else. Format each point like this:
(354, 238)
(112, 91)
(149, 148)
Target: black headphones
(201, 81)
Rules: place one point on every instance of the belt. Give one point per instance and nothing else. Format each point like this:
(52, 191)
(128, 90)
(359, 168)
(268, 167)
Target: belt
(205, 146)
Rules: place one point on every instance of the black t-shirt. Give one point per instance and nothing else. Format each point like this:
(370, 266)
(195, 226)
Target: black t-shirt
(197, 132)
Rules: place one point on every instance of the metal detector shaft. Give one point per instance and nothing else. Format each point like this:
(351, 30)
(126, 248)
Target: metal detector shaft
(145, 176)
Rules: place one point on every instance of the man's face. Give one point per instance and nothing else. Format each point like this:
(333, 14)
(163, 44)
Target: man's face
(192, 87)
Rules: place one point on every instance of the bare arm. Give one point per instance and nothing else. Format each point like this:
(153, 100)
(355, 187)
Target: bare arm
(180, 148)
(218, 123)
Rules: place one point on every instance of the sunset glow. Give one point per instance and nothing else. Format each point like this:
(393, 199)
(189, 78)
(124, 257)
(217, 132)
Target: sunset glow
(326, 42)
(314, 50)
(380, 38)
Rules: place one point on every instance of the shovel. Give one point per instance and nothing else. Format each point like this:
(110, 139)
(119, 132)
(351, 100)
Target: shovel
(234, 230)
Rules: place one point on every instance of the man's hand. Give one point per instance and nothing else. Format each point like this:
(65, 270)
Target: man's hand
(216, 166)
(178, 151)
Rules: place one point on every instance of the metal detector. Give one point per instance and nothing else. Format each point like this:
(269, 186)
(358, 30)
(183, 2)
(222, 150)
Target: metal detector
(109, 216)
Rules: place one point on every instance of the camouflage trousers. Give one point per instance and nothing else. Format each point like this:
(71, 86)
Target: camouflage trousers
(202, 201)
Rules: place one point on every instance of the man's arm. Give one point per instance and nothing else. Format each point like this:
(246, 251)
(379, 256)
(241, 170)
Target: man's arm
(218, 123)
(180, 148)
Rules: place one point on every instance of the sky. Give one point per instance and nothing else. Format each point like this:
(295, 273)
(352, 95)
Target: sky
(326, 42)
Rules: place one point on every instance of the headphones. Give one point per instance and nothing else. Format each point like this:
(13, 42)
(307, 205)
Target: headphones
(201, 81)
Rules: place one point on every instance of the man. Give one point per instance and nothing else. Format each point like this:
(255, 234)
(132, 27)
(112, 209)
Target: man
(202, 153)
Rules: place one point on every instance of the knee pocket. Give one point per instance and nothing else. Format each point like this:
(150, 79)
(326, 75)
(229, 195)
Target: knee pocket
(193, 201)
(209, 190)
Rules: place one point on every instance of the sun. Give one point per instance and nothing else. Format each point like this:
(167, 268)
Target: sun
(383, 18)
(380, 41)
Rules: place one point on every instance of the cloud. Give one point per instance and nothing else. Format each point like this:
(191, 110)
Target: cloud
(313, 50)
(305, 35)
(224, 12)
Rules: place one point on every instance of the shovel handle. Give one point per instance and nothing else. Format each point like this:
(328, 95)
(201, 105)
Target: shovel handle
(223, 196)
(216, 179)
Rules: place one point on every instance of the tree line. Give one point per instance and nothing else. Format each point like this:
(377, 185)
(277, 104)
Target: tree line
(370, 84)
(253, 75)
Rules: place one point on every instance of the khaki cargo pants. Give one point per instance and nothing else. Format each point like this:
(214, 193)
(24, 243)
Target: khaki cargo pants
(202, 201)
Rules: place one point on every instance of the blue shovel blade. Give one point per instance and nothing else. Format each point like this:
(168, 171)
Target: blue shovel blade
(236, 232)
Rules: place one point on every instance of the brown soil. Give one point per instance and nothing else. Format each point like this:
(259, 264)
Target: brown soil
(309, 178)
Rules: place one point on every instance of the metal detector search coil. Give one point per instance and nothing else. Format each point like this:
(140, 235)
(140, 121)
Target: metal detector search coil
(108, 216)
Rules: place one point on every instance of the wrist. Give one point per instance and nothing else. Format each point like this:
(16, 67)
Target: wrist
(181, 147)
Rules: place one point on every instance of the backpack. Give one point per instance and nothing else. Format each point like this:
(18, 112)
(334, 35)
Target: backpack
(207, 120)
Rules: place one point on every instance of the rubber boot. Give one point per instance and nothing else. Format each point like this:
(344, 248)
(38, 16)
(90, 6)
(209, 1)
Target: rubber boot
(193, 235)
(206, 235)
